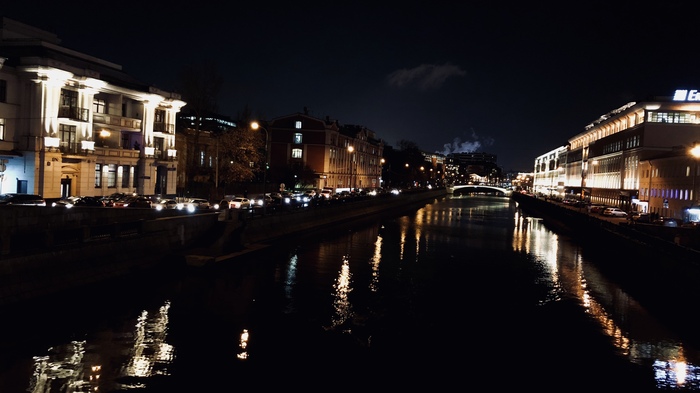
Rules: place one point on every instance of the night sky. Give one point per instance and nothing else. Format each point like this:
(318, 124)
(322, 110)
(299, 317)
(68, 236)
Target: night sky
(515, 80)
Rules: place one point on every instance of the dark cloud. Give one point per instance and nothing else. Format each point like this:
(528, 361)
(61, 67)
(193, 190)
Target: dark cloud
(425, 76)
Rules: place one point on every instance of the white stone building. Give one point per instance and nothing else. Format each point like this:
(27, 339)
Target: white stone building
(72, 124)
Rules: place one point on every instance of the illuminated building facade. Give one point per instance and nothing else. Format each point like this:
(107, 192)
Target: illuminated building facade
(342, 156)
(548, 176)
(72, 124)
(636, 157)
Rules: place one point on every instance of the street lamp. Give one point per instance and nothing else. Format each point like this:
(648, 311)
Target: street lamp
(695, 152)
(352, 156)
(255, 125)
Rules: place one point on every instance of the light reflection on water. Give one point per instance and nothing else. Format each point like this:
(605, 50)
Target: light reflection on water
(78, 365)
(671, 368)
(352, 274)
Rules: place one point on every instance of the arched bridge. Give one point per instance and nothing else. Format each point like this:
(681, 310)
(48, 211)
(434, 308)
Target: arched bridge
(478, 188)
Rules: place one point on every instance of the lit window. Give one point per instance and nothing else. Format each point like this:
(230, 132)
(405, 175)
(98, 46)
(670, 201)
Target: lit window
(98, 175)
(296, 153)
(297, 138)
(98, 106)
(2, 129)
(297, 125)
(112, 176)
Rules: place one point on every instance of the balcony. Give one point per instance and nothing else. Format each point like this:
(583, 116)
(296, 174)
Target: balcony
(114, 120)
(73, 113)
(164, 128)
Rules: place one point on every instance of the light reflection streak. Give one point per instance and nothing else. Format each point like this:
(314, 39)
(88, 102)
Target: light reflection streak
(243, 344)
(341, 301)
(672, 369)
(289, 282)
(52, 372)
(402, 243)
(374, 262)
(149, 347)
(71, 368)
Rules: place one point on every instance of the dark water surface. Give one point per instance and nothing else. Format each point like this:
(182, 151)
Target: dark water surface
(465, 294)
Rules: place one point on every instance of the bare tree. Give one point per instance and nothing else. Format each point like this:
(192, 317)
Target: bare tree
(240, 154)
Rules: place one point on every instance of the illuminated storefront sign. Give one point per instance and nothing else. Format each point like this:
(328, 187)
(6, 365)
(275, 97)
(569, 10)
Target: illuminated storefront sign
(686, 95)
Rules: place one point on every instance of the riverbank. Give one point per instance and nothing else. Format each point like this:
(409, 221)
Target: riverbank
(137, 243)
(240, 236)
(647, 261)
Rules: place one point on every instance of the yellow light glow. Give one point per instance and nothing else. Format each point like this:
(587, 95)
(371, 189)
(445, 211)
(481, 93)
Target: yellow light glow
(695, 151)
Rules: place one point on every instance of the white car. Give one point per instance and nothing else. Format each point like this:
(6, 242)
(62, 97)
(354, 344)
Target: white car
(614, 212)
(165, 204)
(239, 203)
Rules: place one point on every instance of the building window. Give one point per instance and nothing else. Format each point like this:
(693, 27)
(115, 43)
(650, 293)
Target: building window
(69, 98)
(98, 106)
(2, 129)
(67, 134)
(160, 116)
(111, 176)
(202, 157)
(98, 175)
(136, 180)
(126, 175)
(3, 90)
(296, 153)
(297, 138)
(297, 125)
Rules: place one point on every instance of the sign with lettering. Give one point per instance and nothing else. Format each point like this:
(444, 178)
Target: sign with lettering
(686, 95)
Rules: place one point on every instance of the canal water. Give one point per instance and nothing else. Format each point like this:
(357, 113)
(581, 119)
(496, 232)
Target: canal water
(466, 293)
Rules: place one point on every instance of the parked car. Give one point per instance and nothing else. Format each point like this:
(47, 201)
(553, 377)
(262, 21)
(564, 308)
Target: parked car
(224, 203)
(134, 201)
(195, 204)
(79, 201)
(63, 202)
(111, 198)
(22, 199)
(666, 221)
(239, 203)
(614, 212)
(257, 201)
(88, 201)
(639, 217)
(165, 204)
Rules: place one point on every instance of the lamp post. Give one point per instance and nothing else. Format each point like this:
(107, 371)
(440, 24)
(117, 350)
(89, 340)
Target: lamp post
(695, 152)
(352, 155)
(255, 125)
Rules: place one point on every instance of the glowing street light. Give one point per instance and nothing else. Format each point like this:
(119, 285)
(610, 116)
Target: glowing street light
(695, 152)
(351, 150)
(255, 125)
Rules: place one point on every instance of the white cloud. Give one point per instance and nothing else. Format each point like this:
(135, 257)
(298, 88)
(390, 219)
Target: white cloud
(457, 146)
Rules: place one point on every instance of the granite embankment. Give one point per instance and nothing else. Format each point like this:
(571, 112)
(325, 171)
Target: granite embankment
(659, 266)
(239, 234)
(47, 250)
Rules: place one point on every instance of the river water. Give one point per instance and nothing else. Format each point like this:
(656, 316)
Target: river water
(466, 293)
